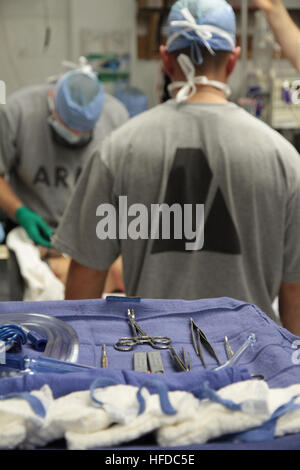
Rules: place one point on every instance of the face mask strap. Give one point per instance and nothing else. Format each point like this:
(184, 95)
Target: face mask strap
(188, 88)
(68, 136)
(62, 130)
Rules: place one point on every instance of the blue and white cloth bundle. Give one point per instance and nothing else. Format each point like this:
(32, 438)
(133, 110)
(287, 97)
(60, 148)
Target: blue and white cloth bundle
(114, 406)
(111, 415)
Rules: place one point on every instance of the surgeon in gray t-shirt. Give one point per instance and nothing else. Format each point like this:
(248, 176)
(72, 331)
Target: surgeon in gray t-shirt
(46, 135)
(196, 149)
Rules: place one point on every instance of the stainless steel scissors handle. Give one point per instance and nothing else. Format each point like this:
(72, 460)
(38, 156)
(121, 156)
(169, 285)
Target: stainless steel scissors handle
(157, 342)
(125, 344)
(141, 337)
(160, 342)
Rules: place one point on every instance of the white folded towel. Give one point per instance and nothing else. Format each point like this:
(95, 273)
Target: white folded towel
(119, 414)
(18, 419)
(40, 282)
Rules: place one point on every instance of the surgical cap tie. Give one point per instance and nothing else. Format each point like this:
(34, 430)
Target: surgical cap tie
(188, 88)
(204, 31)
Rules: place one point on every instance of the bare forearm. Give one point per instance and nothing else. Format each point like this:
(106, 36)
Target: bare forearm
(9, 201)
(84, 283)
(289, 307)
(286, 32)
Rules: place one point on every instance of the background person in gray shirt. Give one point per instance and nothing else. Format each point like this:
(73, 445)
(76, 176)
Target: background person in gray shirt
(197, 148)
(46, 134)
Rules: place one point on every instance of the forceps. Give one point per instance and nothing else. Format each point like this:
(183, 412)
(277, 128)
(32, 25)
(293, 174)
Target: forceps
(202, 339)
(127, 343)
(182, 363)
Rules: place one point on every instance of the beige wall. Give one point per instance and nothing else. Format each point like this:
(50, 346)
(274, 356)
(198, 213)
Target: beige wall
(23, 23)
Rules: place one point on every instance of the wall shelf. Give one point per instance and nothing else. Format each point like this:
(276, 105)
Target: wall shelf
(152, 16)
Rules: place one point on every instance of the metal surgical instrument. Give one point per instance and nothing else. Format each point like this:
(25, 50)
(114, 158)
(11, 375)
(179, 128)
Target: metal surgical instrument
(140, 362)
(228, 348)
(155, 362)
(234, 359)
(183, 364)
(140, 337)
(201, 339)
(104, 358)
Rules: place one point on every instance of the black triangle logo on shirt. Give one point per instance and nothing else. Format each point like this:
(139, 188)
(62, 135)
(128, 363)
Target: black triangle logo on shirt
(189, 183)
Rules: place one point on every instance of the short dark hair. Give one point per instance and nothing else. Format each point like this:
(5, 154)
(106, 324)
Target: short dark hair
(211, 63)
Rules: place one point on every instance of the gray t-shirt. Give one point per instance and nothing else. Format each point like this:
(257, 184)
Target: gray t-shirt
(246, 175)
(42, 171)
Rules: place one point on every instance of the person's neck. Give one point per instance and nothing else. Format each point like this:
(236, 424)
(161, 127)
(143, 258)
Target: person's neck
(208, 94)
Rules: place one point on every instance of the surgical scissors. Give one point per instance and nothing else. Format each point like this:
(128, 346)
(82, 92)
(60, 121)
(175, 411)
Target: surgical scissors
(141, 337)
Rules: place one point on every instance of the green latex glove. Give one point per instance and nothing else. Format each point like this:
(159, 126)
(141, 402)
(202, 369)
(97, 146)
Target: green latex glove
(35, 226)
